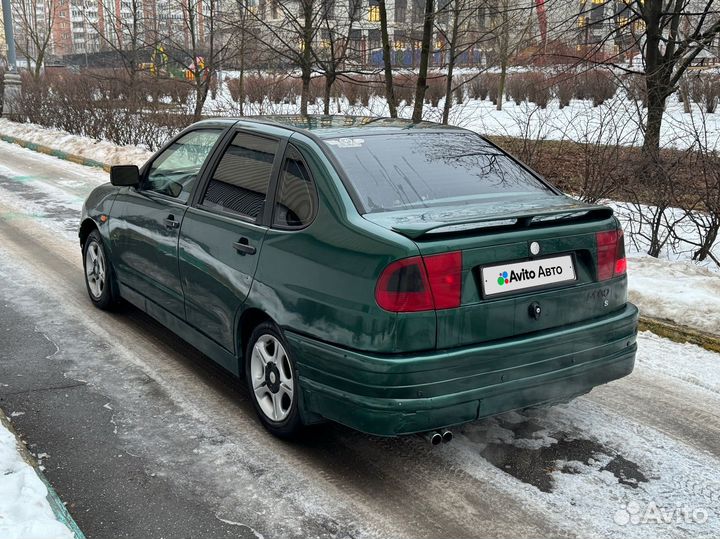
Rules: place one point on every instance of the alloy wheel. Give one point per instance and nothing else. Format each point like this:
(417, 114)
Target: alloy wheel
(95, 272)
(272, 378)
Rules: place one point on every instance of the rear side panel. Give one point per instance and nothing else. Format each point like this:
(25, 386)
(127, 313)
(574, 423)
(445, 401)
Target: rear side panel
(320, 281)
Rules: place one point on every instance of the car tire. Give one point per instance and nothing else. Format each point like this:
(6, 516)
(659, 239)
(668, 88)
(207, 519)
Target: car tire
(272, 381)
(98, 273)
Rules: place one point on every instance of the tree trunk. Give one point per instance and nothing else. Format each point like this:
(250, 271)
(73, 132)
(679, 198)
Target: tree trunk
(424, 62)
(38, 64)
(306, 64)
(708, 242)
(305, 94)
(389, 88)
(241, 78)
(451, 66)
(656, 108)
(448, 87)
(201, 92)
(329, 81)
(501, 84)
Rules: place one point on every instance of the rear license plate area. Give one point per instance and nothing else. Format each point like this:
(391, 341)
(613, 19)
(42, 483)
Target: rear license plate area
(527, 275)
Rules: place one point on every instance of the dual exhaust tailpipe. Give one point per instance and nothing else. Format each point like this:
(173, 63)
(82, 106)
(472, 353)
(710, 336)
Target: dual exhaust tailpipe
(436, 437)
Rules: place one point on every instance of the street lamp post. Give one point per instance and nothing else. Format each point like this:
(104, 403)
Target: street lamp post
(12, 79)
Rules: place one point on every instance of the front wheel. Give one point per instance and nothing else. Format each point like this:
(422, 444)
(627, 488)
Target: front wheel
(272, 381)
(98, 273)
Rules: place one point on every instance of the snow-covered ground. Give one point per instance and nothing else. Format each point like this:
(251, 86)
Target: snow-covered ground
(616, 121)
(25, 512)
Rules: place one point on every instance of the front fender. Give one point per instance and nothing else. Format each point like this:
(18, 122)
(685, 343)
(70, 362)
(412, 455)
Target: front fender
(98, 203)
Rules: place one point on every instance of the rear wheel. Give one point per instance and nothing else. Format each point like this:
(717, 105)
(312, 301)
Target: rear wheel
(98, 274)
(272, 381)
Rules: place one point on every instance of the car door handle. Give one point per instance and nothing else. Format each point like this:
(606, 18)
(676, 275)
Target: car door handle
(170, 222)
(243, 247)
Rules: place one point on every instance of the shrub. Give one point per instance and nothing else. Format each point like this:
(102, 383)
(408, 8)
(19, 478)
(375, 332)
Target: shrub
(106, 105)
(537, 89)
(233, 86)
(493, 87)
(479, 87)
(565, 89)
(404, 88)
(516, 88)
(636, 89)
(351, 91)
(459, 89)
(596, 85)
(435, 90)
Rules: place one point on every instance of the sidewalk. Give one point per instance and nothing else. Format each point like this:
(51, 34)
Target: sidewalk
(29, 507)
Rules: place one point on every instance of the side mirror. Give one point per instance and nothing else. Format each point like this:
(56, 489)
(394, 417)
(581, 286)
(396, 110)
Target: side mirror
(125, 175)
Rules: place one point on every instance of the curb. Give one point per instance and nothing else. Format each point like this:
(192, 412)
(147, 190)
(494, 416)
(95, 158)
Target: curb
(58, 507)
(78, 159)
(680, 334)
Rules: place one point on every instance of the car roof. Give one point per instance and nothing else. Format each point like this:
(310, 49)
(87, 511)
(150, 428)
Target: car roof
(333, 126)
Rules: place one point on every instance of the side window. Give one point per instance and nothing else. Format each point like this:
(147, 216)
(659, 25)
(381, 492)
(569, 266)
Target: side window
(174, 171)
(240, 181)
(296, 200)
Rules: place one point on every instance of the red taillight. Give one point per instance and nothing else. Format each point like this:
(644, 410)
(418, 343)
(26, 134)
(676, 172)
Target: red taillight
(403, 287)
(421, 284)
(445, 276)
(611, 260)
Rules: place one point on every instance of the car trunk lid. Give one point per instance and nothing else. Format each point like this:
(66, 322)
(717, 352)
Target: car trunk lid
(508, 239)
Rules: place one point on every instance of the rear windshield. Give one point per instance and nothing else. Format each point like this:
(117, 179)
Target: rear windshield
(403, 171)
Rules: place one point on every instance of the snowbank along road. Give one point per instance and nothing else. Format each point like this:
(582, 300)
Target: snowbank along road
(144, 433)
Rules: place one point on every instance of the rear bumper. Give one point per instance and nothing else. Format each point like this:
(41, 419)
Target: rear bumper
(389, 395)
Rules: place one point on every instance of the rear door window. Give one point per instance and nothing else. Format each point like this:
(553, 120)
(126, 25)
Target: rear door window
(296, 200)
(240, 182)
(411, 170)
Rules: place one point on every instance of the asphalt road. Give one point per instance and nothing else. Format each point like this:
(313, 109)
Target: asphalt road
(145, 437)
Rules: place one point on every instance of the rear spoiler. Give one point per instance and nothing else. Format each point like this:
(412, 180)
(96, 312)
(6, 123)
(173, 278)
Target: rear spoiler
(508, 220)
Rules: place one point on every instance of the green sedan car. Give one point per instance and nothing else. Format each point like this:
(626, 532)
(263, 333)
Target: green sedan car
(393, 277)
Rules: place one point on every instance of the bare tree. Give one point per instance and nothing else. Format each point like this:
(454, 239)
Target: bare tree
(668, 51)
(667, 34)
(34, 19)
(196, 44)
(511, 26)
(124, 33)
(427, 34)
(461, 30)
(332, 54)
(288, 28)
(387, 61)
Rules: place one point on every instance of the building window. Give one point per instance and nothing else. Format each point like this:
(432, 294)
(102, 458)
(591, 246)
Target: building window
(400, 10)
(374, 40)
(355, 9)
(374, 12)
(418, 15)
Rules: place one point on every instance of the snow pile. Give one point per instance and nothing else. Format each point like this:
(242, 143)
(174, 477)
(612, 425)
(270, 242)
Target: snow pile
(683, 293)
(25, 512)
(89, 148)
